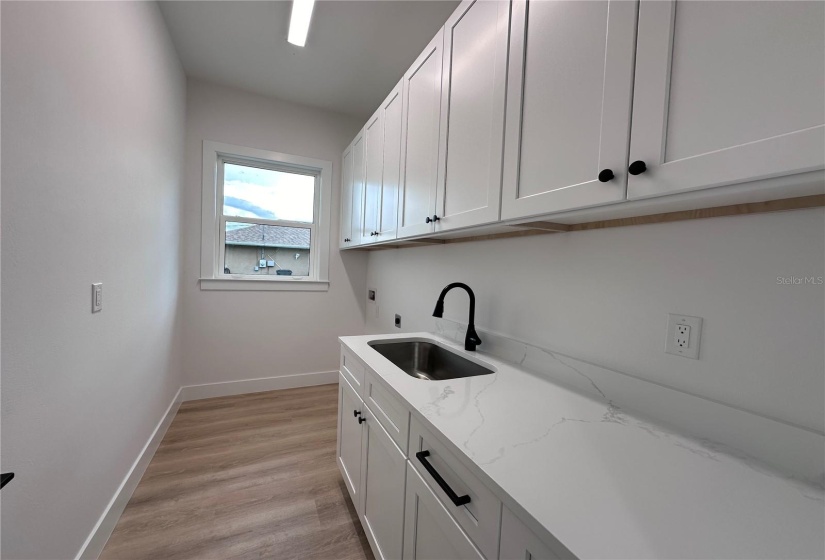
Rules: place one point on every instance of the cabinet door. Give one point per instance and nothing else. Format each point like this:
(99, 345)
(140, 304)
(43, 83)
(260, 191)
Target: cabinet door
(727, 92)
(373, 165)
(429, 531)
(388, 213)
(349, 439)
(419, 141)
(520, 543)
(472, 114)
(568, 105)
(358, 172)
(346, 198)
(382, 498)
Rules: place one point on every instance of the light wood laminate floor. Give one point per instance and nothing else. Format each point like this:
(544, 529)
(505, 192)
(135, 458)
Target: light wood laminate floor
(250, 476)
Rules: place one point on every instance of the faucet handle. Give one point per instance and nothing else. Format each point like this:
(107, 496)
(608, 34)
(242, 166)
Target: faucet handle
(472, 339)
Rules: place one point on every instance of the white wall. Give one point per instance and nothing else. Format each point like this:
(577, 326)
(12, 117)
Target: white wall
(603, 296)
(236, 335)
(92, 132)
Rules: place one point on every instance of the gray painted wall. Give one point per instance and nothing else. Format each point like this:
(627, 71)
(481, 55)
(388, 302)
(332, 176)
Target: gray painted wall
(93, 125)
(231, 336)
(603, 296)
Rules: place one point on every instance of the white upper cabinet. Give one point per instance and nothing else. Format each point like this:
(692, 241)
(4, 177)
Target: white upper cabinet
(374, 168)
(358, 171)
(727, 92)
(421, 90)
(568, 105)
(472, 114)
(346, 198)
(526, 108)
(392, 113)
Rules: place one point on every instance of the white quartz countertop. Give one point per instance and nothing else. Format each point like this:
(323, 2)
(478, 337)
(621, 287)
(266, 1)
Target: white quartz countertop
(605, 483)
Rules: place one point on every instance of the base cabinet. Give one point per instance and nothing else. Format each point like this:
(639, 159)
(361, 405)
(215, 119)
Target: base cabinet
(403, 509)
(350, 434)
(430, 532)
(520, 543)
(383, 471)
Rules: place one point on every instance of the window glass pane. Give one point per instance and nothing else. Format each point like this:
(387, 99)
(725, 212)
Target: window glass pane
(251, 192)
(266, 250)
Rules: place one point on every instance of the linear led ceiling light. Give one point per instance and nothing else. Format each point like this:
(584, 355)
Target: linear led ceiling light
(299, 21)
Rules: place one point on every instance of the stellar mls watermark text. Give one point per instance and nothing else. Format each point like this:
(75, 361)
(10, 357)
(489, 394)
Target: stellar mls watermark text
(799, 280)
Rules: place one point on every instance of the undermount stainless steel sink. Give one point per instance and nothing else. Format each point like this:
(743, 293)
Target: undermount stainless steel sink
(425, 360)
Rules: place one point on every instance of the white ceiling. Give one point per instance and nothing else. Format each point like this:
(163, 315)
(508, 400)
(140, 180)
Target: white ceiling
(355, 53)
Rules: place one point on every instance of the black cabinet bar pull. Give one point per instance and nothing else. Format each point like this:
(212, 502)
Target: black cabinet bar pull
(455, 498)
(5, 478)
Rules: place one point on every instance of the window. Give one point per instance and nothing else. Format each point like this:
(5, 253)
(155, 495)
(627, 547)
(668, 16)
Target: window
(265, 220)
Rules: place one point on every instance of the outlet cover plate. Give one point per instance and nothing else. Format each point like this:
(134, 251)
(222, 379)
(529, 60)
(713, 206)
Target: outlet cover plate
(674, 342)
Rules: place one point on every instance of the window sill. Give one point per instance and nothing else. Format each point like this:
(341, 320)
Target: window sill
(263, 285)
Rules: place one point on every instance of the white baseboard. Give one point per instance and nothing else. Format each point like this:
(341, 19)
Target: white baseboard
(243, 386)
(97, 539)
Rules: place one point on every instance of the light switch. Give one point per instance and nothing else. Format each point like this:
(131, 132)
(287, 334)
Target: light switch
(97, 297)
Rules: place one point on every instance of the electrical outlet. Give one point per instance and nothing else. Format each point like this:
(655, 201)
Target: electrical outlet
(371, 295)
(397, 321)
(683, 335)
(97, 297)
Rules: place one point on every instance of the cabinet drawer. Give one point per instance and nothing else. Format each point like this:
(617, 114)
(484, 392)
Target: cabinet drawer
(480, 518)
(429, 530)
(353, 370)
(394, 416)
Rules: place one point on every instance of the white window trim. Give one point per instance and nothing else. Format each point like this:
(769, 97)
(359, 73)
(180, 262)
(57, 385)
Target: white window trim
(212, 276)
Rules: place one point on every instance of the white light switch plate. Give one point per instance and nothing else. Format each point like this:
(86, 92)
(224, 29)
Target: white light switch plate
(683, 335)
(97, 297)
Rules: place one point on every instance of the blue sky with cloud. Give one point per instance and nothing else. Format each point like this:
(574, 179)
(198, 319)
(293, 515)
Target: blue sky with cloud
(252, 192)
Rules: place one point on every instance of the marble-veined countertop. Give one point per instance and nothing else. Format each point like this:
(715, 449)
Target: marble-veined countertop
(606, 483)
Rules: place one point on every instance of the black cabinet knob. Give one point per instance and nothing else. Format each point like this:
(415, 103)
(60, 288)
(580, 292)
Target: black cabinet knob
(606, 175)
(362, 420)
(356, 413)
(428, 220)
(435, 218)
(637, 168)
